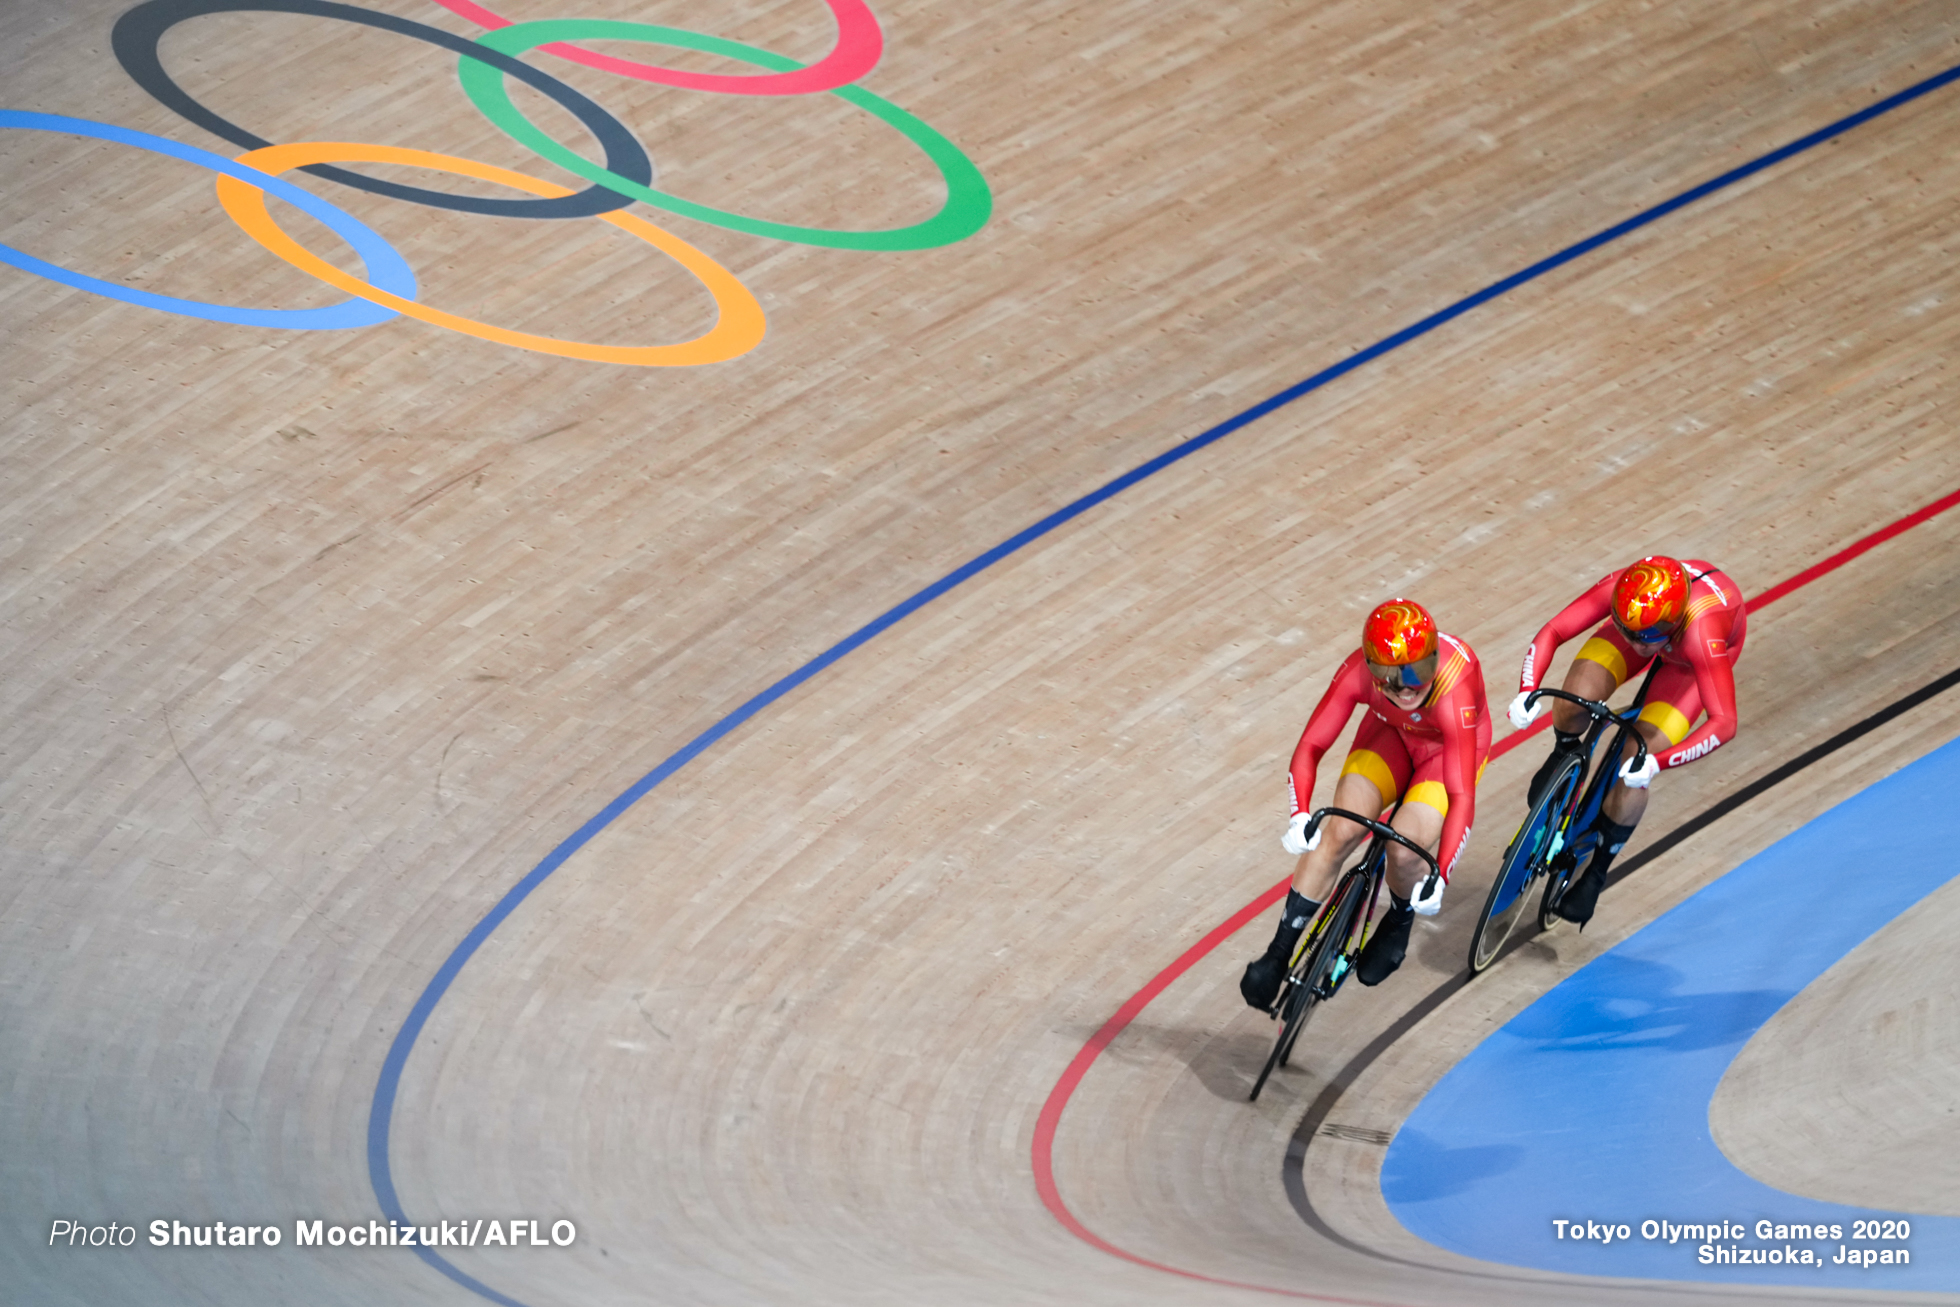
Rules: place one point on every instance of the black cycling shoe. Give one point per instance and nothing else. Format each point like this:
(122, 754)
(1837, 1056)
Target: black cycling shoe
(1385, 948)
(1260, 984)
(1562, 748)
(1582, 896)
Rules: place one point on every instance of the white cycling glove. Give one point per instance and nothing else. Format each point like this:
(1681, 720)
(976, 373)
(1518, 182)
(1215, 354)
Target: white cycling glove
(1430, 905)
(1295, 840)
(1638, 777)
(1521, 716)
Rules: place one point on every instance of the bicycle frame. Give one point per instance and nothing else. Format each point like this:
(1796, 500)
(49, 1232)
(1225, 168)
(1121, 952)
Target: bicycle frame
(1540, 846)
(1373, 864)
(1326, 951)
(1582, 811)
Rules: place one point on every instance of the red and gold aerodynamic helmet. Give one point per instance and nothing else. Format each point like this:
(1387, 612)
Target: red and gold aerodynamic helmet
(1399, 642)
(1650, 599)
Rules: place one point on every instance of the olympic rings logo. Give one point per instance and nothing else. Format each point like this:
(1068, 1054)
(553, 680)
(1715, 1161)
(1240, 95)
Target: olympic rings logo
(484, 67)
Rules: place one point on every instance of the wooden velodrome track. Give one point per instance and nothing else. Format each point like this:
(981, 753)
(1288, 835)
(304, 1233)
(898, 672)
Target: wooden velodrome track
(316, 643)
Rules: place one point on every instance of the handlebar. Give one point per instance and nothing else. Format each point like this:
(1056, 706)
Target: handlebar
(1384, 830)
(1601, 712)
(1593, 706)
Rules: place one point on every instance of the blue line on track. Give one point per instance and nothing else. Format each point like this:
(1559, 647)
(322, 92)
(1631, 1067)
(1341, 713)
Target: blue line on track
(1593, 1103)
(381, 1112)
(386, 269)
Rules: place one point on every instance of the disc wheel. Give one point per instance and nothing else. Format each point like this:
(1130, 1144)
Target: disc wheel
(1310, 979)
(1510, 894)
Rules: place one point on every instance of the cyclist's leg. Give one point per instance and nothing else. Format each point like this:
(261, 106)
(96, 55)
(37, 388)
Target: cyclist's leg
(1601, 666)
(1590, 677)
(1669, 714)
(1421, 819)
(1374, 775)
(1425, 803)
(1355, 791)
(1373, 764)
(1666, 719)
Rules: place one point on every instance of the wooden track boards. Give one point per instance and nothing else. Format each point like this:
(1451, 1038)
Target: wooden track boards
(317, 643)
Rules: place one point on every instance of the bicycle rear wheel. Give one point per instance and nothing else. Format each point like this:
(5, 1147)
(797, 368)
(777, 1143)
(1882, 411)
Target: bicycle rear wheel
(1318, 971)
(1510, 898)
(1582, 838)
(1559, 878)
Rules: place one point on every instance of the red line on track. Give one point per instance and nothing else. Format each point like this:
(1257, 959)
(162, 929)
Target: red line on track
(1845, 555)
(1051, 1111)
(1050, 1119)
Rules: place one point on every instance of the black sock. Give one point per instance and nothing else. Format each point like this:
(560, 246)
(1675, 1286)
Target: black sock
(1612, 838)
(1397, 903)
(1563, 746)
(1293, 919)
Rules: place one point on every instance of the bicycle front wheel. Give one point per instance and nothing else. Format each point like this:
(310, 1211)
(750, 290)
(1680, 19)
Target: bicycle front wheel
(1306, 984)
(1524, 860)
(1292, 1010)
(1323, 964)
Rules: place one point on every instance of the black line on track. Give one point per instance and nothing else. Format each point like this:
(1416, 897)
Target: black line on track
(1293, 1169)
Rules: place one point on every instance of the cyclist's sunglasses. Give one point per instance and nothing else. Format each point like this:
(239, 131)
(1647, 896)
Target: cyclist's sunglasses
(1412, 676)
(1657, 634)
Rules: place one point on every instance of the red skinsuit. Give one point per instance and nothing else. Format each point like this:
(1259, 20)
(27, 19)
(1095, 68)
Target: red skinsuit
(1697, 665)
(1443, 742)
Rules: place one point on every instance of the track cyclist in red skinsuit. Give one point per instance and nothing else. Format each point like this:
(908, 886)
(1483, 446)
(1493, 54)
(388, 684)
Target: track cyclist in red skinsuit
(1424, 740)
(1693, 619)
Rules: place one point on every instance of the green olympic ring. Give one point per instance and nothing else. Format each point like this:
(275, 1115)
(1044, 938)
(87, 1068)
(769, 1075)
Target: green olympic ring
(968, 201)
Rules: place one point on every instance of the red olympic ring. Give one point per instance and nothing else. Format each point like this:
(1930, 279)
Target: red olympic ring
(859, 45)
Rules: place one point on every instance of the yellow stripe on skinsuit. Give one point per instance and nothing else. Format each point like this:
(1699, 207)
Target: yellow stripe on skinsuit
(1668, 720)
(1368, 764)
(1437, 795)
(1602, 652)
(1432, 793)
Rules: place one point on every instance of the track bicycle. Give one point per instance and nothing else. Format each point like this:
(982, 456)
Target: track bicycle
(1559, 832)
(1328, 947)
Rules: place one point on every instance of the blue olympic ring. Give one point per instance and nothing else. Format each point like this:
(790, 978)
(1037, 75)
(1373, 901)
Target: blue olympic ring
(386, 268)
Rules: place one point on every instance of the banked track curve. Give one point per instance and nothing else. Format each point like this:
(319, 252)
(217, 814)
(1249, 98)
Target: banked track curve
(381, 1110)
(1049, 1122)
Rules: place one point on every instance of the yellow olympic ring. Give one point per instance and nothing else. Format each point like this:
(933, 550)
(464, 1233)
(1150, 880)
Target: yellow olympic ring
(737, 330)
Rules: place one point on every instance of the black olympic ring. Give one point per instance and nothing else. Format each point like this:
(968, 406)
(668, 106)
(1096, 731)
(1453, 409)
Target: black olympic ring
(138, 33)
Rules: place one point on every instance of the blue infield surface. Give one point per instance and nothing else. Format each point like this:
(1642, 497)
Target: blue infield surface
(1591, 1105)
